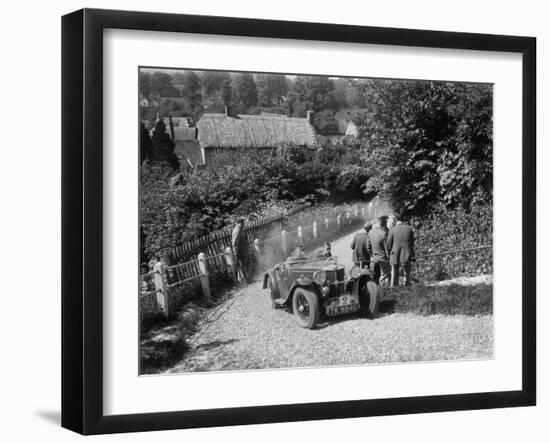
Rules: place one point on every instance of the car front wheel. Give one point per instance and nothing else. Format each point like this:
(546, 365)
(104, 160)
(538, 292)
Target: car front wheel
(305, 307)
(374, 294)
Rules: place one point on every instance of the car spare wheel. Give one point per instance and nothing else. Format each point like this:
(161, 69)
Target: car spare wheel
(305, 307)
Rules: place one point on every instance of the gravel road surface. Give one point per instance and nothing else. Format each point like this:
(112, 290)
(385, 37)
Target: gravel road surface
(245, 333)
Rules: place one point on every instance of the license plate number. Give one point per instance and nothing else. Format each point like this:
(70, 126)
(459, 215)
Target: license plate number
(343, 305)
(339, 310)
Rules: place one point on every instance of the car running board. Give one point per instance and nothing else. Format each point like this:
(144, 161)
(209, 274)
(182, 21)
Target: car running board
(279, 301)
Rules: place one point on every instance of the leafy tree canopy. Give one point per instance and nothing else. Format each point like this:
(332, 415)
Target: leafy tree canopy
(428, 142)
(272, 89)
(244, 90)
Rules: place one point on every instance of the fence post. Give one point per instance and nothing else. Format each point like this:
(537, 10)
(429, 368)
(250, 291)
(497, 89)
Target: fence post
(160, 286)
(339, 221)
(314, 229)
(363, 211)
(300, 235)
(205, 283)
(284, 244)
(356, 212)
(230, 263)
(326, 223)
(348, 218)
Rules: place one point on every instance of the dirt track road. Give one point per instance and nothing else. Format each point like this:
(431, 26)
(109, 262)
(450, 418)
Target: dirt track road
(245, 333)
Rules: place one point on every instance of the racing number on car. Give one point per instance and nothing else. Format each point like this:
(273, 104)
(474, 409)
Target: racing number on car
(344, 299)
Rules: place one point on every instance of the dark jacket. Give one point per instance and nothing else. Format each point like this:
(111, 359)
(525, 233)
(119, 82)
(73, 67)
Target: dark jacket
(359, 245)
(377, 244)
(400, 244)
(239, 242)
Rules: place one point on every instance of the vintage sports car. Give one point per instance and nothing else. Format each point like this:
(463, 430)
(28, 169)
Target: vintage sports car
(313, 288)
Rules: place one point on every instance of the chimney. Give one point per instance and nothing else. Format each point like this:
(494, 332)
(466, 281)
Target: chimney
(309, 116)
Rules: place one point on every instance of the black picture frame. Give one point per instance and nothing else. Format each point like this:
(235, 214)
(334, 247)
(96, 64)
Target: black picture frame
(82, 218)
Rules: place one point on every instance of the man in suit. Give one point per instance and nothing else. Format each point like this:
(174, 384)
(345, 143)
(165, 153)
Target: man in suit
(400, 245)
(376, 245)
(239, 242)
(360, 254)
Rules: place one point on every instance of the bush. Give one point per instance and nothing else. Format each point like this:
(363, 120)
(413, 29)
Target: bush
(447, 230)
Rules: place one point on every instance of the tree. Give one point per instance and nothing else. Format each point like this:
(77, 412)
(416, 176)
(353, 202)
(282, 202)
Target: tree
(212, 81)
(428, 143)
(310, 93)
(145, 143)
(339, 93)
(163, 146)
(227, 92)
(244, 90)
(162, 83)
(272, 89)
(191, 91)
(144, 83)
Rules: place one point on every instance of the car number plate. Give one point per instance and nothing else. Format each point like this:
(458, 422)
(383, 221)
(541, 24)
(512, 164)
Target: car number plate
(343, 305)
(339, 310)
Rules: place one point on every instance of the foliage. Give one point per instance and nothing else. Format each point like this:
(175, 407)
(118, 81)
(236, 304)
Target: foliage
(444, 300)
(163, 146)
(176, 207)
(245, 93)
(212, 81)
(325, 122)
(144, 83)
(227, 92)
(447, 230)
(191, 91)
(161, 83)
(309, 93)
(428, 142)
(272, 89)
(145, 143)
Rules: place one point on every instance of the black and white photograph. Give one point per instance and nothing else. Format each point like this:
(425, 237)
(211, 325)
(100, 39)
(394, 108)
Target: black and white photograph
(292, 220)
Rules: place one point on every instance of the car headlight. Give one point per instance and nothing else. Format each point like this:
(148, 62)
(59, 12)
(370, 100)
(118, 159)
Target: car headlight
(319, 277)
(355, 272)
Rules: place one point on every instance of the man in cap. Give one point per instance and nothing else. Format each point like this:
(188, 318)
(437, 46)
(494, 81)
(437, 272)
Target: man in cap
(376, 245)
(360, 254)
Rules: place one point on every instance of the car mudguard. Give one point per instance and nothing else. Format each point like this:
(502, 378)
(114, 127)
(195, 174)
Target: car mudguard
(302, 282)
(271, 273)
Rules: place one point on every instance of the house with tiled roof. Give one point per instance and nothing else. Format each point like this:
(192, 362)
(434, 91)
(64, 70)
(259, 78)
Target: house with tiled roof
(225, 133)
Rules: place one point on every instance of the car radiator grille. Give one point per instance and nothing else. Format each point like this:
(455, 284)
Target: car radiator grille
(333, 276)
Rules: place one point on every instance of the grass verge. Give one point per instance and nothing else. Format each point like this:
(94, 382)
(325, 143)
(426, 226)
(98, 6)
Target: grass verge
(451, 299)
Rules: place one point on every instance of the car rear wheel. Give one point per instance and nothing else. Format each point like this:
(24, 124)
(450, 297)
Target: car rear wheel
(305, 307)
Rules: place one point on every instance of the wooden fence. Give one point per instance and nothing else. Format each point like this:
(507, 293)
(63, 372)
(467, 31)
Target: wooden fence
(270, 240)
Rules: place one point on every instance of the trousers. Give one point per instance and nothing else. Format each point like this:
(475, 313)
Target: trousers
(381, 272)
(406, 273)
